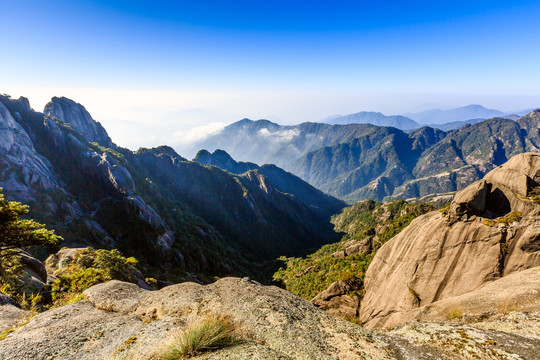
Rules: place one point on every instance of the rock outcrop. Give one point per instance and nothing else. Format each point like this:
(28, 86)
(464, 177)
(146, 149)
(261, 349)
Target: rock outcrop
(275, 324)
(118, 320)
(492, 230)
(75, 114)
(336, 300)
(519, 291)
(23, 171)
(153, 203)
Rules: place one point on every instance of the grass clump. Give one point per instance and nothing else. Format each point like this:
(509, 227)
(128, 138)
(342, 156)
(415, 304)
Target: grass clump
(504, 220)
(534, 194)
(208, 334)
(444, 211)
(416, 297)
(5, 333)
(454, 313)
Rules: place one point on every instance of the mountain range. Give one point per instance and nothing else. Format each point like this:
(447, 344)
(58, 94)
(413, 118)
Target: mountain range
(441, 119)
(359, 161)
(457, 282)
(173, 214)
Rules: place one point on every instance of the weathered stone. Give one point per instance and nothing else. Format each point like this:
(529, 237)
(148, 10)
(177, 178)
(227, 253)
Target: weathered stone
(519, 291)
(432, 260)
(276, 324)
(337, 301)
(31, 263)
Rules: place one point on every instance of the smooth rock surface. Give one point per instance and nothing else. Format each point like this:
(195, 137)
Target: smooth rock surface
(276, 324)
(435, 259)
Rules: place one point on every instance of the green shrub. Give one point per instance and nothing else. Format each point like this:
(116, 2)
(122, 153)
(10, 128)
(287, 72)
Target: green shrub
(444, 211)
(17, 234)
(209, 334)
(504, 220)
(534, 194)
(90, 267)
(416, 298)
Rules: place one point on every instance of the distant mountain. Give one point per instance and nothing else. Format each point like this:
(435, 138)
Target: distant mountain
(375, 118)
(283, 181)
(457, 124)
(397, 165)
(523, 112)
(437, 116)
(359, 161)
(176, 216)
(265, 142)
(223, 161)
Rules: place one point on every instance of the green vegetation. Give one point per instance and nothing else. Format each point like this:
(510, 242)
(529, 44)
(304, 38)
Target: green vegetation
(416, 298)
(102, 149)
(87, 268)
(444, 211)
(209, 334)
(504, 220)
(6, 332)
(534, 194)
(367, 225)
(68, 128)
(17, 234)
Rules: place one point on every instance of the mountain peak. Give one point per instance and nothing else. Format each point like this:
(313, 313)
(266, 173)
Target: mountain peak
(75, 114)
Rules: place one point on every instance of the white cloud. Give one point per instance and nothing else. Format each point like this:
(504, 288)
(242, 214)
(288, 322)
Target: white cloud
(281, 135)
(197, 133)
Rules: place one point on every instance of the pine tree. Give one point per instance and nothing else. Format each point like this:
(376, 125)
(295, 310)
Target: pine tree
(17, 234)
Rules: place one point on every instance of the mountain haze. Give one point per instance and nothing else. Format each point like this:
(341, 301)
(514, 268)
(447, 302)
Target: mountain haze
(375, 118)
(437, 116)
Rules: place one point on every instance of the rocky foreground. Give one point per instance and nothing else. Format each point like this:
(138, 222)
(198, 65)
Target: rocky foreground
(119, 320)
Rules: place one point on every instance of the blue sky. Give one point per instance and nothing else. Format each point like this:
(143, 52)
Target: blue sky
(169, 66)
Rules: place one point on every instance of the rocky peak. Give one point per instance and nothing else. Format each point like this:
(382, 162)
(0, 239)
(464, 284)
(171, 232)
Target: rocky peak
(224, 161)
(501, 191)
(492, 230)
(75, 114)
(25, 103)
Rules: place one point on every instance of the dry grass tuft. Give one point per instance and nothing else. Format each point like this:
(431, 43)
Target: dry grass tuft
(207, 334)
(454, 313)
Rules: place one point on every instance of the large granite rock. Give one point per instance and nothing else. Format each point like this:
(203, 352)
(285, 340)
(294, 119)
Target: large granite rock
(519, 291)
(23, 172)
(437, 258)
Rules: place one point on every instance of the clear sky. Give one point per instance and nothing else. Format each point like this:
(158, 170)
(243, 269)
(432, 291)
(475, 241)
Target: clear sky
(151, 71)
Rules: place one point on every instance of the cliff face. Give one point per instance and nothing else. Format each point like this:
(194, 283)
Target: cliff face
(491, 230)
